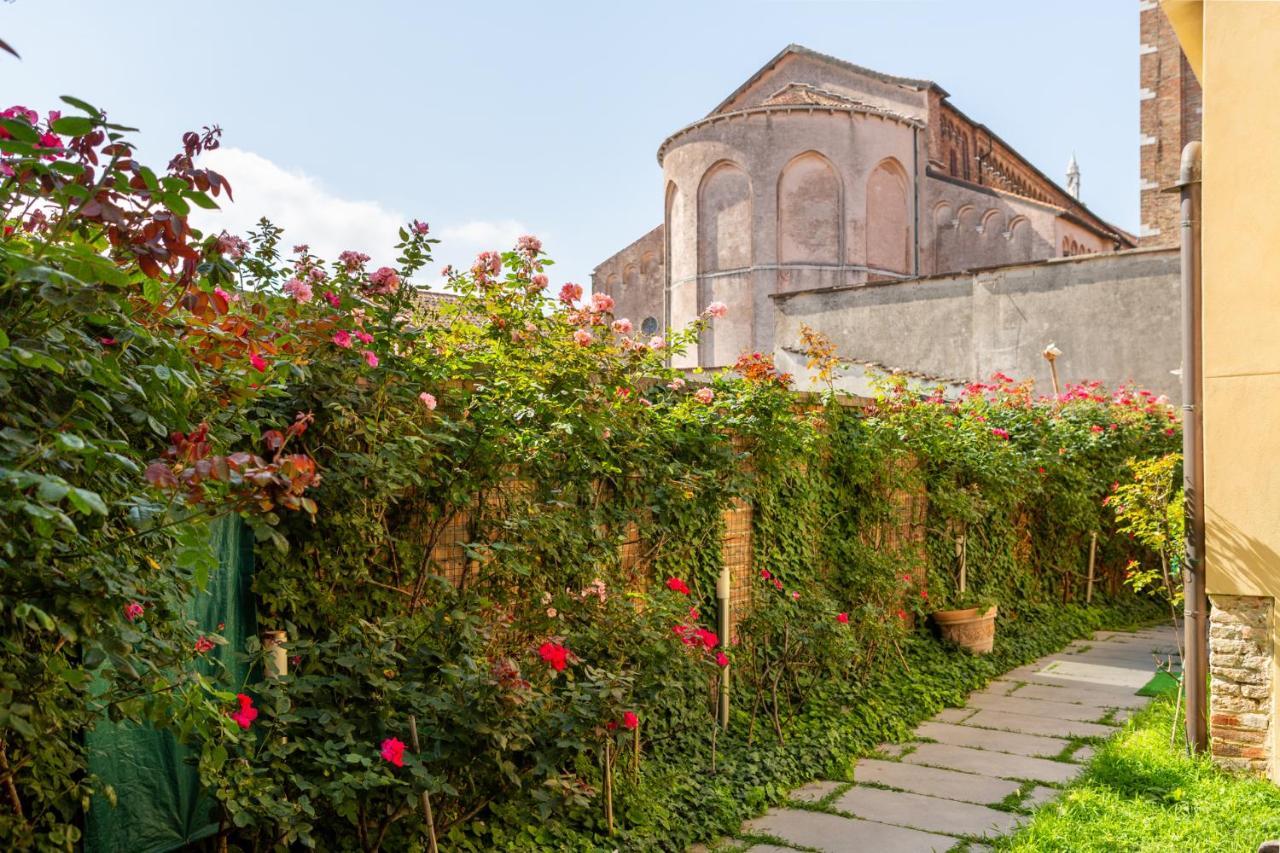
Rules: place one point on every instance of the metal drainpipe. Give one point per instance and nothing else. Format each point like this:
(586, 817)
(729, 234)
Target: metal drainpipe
(1195, 601)
(915, 183)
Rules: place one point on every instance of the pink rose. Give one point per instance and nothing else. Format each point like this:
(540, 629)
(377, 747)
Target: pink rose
(370, 358)
(657, 343)
(299, 290)
(428, 400)
(364, 337)
(384, 280)
(132, 610)
(539, 281)
(705, 395)
(583, 337)
(258, 362)
(352, 260)
(601, 302)
(717, 309)
(622, 327)
(342, 338)
(570, 293)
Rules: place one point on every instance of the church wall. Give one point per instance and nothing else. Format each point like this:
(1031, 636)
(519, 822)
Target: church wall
(966, 228)
(635, 277)
(816, 163)
(1110, 314)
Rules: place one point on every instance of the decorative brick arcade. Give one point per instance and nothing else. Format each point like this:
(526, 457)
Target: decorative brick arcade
(1240, 664)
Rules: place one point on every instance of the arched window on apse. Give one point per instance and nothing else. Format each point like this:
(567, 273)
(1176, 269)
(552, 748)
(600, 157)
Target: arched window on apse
(888, 220)
(809, 211)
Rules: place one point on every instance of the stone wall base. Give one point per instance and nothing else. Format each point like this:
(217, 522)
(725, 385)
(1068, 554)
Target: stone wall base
(1240, 661)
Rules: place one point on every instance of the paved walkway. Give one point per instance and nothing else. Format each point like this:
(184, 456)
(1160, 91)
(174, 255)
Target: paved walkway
(976, 772)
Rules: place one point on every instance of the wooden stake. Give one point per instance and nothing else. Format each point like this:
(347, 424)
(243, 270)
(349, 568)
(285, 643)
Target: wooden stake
(608, 783)
(963, 548)
(1093, 554)
(635, 751)
(426, 798)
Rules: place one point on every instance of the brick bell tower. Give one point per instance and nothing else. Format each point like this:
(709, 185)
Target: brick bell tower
(1170, 118)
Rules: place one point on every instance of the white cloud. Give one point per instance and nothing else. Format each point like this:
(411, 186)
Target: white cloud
(310, 213)
(498, 236)
(301, 205)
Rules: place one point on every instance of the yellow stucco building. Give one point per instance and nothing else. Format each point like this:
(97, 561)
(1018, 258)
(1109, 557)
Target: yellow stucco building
(1234, 50)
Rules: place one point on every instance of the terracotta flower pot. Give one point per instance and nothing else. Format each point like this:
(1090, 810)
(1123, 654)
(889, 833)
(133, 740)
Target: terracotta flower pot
(975, 632)
(948, 617)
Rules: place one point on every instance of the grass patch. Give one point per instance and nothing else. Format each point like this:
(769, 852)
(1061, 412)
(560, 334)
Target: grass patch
(1141, 794)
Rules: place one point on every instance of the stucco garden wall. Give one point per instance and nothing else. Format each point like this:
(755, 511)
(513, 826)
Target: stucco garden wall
(1114, 316)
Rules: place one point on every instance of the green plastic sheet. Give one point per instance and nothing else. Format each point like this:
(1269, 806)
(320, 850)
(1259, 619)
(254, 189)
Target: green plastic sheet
(159, 804)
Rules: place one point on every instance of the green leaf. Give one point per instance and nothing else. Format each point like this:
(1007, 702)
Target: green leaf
(51, 491)
(19, 130)
(201, 200)
(70, 442)
(4, 340)
(72, 125)
(87, 502)
(81, 105)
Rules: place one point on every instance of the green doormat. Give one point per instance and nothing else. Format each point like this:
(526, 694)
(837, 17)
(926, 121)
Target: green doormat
(1163, 684)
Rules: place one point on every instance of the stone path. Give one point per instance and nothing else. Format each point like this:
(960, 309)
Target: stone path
(976, 772)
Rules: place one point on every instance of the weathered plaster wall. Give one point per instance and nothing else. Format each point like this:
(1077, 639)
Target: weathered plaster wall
(1114, 316)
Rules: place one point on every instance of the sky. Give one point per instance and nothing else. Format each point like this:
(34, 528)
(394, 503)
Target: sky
(491, 119)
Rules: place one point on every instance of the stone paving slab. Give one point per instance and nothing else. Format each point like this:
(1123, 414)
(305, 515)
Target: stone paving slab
(931, 814)
(953, 715)
(1030, 725)
(1106, 697)
(1040, 795)
(1144, 662)
(1093, 673)
(813, 792)
(892, 750)
(1018, 744)
(834, 834)
(1001, 764)
(1039, 707)
(933, 782)
(770, 848)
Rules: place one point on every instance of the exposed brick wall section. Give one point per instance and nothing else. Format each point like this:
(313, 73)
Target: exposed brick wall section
(1240, 661)
(1170, 118)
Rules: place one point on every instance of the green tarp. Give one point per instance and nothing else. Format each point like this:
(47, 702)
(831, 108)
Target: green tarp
(159, 804)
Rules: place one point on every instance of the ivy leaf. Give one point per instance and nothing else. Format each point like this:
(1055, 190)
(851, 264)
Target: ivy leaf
(87, 502)
(52, 491)
(70, 442)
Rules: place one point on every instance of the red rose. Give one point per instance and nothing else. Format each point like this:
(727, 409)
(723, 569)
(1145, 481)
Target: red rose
(554, 654)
